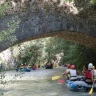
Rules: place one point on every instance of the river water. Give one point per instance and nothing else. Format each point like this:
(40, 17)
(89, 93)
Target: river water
(36, 83)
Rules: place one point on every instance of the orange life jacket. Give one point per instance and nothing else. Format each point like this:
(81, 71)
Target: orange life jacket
(88, 74)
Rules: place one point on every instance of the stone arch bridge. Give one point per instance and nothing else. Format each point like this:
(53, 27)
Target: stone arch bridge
(42, 18)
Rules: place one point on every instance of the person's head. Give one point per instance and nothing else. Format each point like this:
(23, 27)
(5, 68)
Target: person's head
(93, 67)
(72, 66)
(90, 66)
(68, 66)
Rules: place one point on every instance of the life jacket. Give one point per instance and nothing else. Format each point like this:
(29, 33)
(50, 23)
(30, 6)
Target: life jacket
(87, 74)
(73, 73)
(95, 73)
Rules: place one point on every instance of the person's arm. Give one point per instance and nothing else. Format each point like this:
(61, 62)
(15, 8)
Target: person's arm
(92, 72)
(66, 72)
(77, 72)
(84, 69)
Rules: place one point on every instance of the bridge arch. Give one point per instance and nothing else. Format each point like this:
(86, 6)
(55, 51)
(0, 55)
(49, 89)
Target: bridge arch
(43, 20)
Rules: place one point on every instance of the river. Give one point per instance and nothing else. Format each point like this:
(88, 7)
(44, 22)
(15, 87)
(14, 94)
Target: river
(36, 83)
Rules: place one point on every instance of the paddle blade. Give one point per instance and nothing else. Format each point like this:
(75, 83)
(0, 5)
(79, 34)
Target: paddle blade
(90, 92)
(61, 81)
(55, 77)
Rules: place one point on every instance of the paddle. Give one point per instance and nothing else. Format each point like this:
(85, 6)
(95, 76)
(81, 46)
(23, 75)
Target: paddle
(55, 77)
(90, 92)
(61, 81)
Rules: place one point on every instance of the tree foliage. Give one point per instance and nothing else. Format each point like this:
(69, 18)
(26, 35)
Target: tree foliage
(3, 8)
(30, 53)
(73, 53)
(43, 50)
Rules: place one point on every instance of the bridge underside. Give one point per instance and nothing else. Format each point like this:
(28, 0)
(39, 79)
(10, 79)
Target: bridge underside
(80, 38)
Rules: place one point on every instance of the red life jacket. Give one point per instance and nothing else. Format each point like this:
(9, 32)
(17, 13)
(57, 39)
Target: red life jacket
(88, 74)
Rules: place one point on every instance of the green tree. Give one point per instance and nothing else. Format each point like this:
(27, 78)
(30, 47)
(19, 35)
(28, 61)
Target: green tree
(30, 53)
(3, 8)
(73, 53)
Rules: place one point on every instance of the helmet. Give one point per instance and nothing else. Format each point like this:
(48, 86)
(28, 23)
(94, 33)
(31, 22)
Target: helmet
(93, 67)
(72, 67)
(68, 65)
(90, 65)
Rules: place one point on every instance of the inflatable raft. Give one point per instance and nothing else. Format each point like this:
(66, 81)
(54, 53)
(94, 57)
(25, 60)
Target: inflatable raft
(79, 85)
(25, 70)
